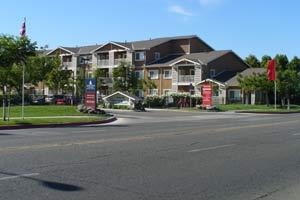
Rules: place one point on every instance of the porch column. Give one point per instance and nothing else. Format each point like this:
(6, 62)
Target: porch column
(197, 78)
(175, 79)
(253, 98)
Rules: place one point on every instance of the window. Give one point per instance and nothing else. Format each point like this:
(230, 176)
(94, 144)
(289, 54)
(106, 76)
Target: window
(234, 94)
(139, 93)
(167, 92)
(167, 74)
(140, 56)
(156, 55)
(153, 74)
(139, 74)
(212, 73)
(153, 92)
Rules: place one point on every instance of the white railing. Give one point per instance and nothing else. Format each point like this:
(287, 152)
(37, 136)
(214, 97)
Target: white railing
(118, 61)
(186, 78)
(104, 62)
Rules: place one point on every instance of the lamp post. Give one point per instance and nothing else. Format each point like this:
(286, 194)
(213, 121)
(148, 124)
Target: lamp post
(85, 63)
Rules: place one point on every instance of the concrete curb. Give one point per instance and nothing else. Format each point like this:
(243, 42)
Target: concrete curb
(14, 127)
(270, 113)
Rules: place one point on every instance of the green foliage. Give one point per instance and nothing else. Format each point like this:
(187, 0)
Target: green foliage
(178, 100)
(58, 78)
(124, 78)
(252, 61)
(264, 61)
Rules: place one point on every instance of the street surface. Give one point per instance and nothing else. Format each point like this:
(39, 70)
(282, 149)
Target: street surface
(156, 155)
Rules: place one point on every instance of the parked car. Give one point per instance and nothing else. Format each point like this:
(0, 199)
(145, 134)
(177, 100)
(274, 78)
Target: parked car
(49, 99)
(38, 100)
(60, 100)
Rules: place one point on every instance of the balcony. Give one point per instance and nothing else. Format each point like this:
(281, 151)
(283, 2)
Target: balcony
(67, 65)
(186, 78)
(119, 60)
(104, 62)
(106, 80)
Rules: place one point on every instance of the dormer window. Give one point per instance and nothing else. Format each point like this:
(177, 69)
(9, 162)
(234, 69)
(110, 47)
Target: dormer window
(212, 73)
(156, 55)
(140, 56)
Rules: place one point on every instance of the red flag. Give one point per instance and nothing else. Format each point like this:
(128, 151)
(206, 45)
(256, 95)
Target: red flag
(23, 29)
(271, 72)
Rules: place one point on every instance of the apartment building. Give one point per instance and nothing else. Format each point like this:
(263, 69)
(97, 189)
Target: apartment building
(172, 63)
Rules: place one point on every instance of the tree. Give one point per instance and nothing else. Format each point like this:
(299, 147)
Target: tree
(124, 78)
(99, 74)
(294, 64)
(264, 61)
(252, 61)
(281, 65)
(14, 52)
(59, 79)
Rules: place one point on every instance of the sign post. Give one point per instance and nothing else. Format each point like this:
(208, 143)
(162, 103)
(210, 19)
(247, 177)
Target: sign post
(90, 93)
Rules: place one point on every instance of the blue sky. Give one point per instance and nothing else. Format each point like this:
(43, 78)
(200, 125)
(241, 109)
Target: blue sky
(246, 26)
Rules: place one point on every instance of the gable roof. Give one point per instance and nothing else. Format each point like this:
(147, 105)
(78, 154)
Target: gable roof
(148, 44)
(88, 49)
(77, 50)
(248, 72)
(201, 58)
(126, 94)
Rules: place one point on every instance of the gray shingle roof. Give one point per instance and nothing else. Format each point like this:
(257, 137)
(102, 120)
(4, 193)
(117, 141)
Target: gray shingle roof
(147, 44)
(248, 72)
(87, 49)
(203, 57)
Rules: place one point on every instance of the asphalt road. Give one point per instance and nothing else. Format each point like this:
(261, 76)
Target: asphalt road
(156, 155)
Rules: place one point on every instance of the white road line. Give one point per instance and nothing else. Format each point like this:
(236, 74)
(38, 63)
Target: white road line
(210, 148)
(88, 131)
(18, 176)
(296, 134)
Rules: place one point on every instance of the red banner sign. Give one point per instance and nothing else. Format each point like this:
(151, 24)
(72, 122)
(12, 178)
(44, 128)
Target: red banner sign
(90, 100)
(206, 95)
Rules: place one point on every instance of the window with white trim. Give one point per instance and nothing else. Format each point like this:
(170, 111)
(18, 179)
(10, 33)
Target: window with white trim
(156, 55)
(153, 92)
(139, 74)
(167, 92)
(140, 56)
(167, 74)
(139, 93)
(212, 73)
(153, 74)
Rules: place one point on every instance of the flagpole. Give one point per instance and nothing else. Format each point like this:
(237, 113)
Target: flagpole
(23, 91)
(275, 94)
(23, 34)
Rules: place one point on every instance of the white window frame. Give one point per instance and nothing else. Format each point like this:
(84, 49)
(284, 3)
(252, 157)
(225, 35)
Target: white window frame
(155, 71)
(141, 74)
(156, 55)
(168, 91)
(139, 53)
(212, 73)
(170, 77)
(152, 91)
(235, 91)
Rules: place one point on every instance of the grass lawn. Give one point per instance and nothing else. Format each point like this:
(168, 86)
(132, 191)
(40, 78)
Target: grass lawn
(43, 111)
(49, 114)
(257, 108)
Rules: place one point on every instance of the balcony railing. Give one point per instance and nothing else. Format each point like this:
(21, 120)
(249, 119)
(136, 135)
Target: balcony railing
(186, 78)
(104, 62)
(67, 65)
(106, 80)
(118, 61)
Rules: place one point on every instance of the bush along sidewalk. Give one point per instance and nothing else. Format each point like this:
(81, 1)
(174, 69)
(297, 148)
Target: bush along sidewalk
(174, 100)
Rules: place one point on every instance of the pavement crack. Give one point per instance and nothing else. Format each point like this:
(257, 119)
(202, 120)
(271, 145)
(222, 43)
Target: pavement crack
(266, 194)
